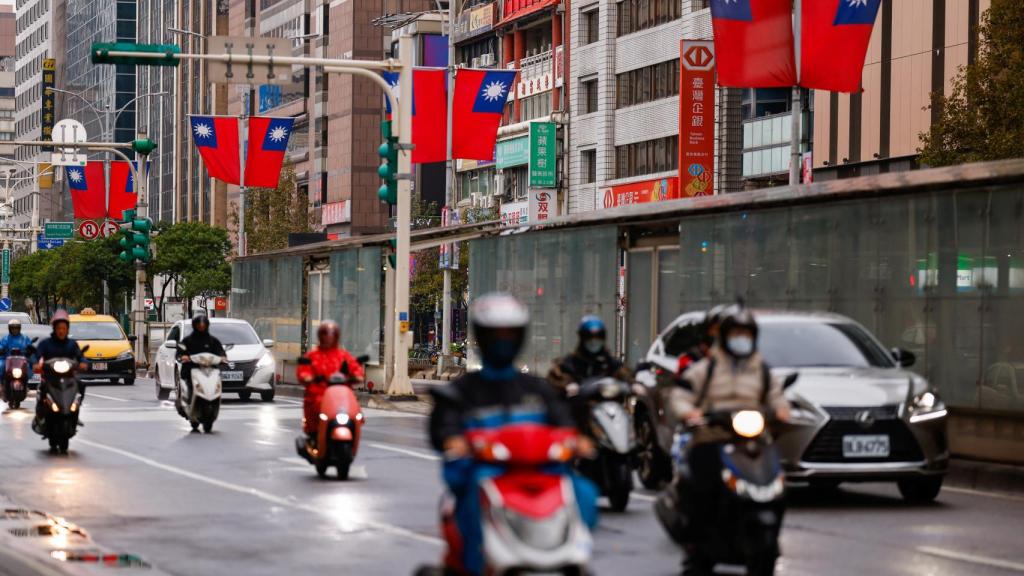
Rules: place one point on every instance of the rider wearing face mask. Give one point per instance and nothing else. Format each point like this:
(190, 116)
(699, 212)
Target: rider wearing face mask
(591, 359)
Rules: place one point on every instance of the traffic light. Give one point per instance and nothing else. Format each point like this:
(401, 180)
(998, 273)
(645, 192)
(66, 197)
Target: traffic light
(143, 146)
(101, 53)
(135, 242)
(388, 169)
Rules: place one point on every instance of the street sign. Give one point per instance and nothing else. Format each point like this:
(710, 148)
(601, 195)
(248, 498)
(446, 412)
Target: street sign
(150, 304)
(59, 230)
(89, 229)
(109, 228)
(542, 155)
(5, 304)
(5, 276)
(68, 130)
(49, 243)
(242, 72)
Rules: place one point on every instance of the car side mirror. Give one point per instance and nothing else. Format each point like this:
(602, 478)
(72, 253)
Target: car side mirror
(173, 345)
(303, 361)
(228, 347)
(133, 338)
(85, 348)
(36, 339)
(790, 380)
(363, 359)
(268, 343)
(643, 366)
(905, 358)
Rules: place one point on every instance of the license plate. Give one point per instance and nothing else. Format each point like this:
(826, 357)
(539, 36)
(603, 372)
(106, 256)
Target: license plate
(99, 366)
(231, 376)
(866, 446)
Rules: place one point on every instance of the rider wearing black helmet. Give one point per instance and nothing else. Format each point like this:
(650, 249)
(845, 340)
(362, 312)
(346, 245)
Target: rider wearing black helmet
(199, 341)
(59, 345)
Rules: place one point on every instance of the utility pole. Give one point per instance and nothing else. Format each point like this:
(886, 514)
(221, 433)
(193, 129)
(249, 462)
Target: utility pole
(449, 199)
(795, 136)
(400, 384)
(141, 212)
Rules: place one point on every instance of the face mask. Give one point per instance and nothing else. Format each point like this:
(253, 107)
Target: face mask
(500, 354)
(740, 346)
(593, 346)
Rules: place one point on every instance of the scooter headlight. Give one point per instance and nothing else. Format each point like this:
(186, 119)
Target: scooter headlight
(748, 423)
(62, 366)
(17, 372)
(609, 390)
(342, 419)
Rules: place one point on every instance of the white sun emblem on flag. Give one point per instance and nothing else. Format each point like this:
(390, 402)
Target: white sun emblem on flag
(278, 134)
(858, 3)
(493, 91)
(203, 131)
(75, 176)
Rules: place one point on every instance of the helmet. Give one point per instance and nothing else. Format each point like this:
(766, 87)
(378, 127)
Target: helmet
(200, 319)
(60, 316)
(14, 324)
(712, 321)
(328, 333)
(738, 318)
(592, 333)
(499, 323)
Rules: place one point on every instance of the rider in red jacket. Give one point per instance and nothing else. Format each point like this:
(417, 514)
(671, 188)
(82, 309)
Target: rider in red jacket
(323, 361)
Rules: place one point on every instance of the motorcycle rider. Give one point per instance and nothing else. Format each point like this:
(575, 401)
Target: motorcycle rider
(733, 376)
(316, 367)
(198, 342)
(12, 341)
(493, 397)
(591, 359)
(58, 345)
(709, 329)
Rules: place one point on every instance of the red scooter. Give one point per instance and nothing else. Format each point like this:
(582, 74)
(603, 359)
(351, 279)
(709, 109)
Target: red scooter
(531, 522)
(15, 386)
(339, 428)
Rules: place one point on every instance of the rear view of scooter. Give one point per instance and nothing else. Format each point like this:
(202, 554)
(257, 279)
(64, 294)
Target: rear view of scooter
(15, 383)
(202, 408)
(339, 427)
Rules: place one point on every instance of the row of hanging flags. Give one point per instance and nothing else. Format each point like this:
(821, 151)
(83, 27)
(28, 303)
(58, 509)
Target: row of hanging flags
(754, 42)
(87, 194)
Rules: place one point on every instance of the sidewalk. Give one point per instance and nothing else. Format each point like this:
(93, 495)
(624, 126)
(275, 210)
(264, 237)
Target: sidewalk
(986, 476)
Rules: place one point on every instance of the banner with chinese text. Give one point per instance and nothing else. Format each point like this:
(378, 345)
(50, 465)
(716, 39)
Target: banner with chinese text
(696, 118)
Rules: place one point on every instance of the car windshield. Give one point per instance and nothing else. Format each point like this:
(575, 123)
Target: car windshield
(229, 333)
(6, 317)
(36, 330)
(96, 331)
(805, 344)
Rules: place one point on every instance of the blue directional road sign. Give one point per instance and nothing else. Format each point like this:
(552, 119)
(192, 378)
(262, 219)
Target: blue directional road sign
(49, 243)
(5, 304)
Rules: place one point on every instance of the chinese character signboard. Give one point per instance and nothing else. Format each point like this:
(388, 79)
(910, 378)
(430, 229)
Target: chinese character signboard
(474, 22)
(336, 213)
(697, 118)
(542, 155)
(47, 101)
(807, 167)
(542, 205)
(515, 213)
(639, 193)
(514, 152)
(448, 254)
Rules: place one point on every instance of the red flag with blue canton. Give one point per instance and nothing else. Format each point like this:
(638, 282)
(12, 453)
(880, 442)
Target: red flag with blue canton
(86, 184)
(268, 142)
(429, 112)
(754, 43)
(479, 102)
(834, 37)
(122, 189)
(216, 138)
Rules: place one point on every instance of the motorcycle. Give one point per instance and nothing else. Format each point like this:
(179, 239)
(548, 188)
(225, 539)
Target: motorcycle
(749, 509)
(203, 406)
(604, 400)
(531, 522)
(340, 427)
(63, 399)
(15, 385)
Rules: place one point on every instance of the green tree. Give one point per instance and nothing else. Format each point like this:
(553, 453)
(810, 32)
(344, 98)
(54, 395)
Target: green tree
(192, 256)
(272, 213)
(983, 117)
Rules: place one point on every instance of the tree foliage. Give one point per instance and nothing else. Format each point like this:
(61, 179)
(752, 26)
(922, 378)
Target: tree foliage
(194, 257)
(272, 213)
(983, 117)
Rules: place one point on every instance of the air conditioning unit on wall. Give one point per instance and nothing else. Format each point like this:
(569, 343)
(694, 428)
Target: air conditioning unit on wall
(486, 60)
(474, 63)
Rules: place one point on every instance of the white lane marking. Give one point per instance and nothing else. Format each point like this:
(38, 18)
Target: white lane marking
(974, 492)
(288, 401)
(257, 493)
(971, 558)
(105, 397)
(645, 497)
(413, 453)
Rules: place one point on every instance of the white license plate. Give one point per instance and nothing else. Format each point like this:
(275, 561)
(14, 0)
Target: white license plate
(866, 446)
(232, 376)
(99, 366)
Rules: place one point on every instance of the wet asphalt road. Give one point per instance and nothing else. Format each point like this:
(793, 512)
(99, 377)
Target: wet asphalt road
(239, 501)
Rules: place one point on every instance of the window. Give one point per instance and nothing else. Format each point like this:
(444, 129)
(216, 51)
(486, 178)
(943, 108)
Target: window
(478, 182)
(515, 183)
(588, 161)
(649, 157)
(758, 102)
(536, 106)
(590, 26)
(588, 95)
(648, 83)
(636, 15)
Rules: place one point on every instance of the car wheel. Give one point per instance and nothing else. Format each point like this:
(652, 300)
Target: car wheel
(245, 396)
(267, 396)
(129, 381)
(920, 490)
(653, 465)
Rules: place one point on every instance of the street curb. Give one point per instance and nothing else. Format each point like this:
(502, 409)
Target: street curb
(418, 404)
(985, 476)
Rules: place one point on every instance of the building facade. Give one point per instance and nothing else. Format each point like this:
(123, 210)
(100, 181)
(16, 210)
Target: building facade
(8, 45)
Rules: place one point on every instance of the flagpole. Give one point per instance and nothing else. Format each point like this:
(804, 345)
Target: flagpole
(449, 197)
(794, 142)
(243, 131)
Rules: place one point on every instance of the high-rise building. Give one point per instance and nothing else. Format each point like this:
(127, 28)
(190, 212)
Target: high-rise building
(8, 43)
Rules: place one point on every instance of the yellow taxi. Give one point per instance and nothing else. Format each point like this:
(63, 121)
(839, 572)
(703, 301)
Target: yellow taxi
(110, 355)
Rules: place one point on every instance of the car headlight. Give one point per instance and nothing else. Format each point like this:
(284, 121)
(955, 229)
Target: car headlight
(926, 406)
(265, 361)
(126, 355)
(62, 366)
(748, 423)
(17, 372)
(342, 419)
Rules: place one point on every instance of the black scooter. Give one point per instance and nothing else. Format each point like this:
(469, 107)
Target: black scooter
(743, 523)
(15, 376)
(62, 401)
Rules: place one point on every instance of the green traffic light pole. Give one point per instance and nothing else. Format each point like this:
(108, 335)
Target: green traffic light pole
(399, 339)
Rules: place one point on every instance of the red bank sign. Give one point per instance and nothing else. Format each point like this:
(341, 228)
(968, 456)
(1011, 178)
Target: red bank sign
(696, 118)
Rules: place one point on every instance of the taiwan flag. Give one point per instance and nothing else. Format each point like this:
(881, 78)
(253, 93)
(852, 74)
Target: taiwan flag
(480, 97)
(754, 42)
(216, 137)
(834, 36)
(87, 196)
(429, 112)
(122, 189)
(268, 142)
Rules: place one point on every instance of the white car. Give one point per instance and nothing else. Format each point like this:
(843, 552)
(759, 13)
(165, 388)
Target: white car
(251, 367)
